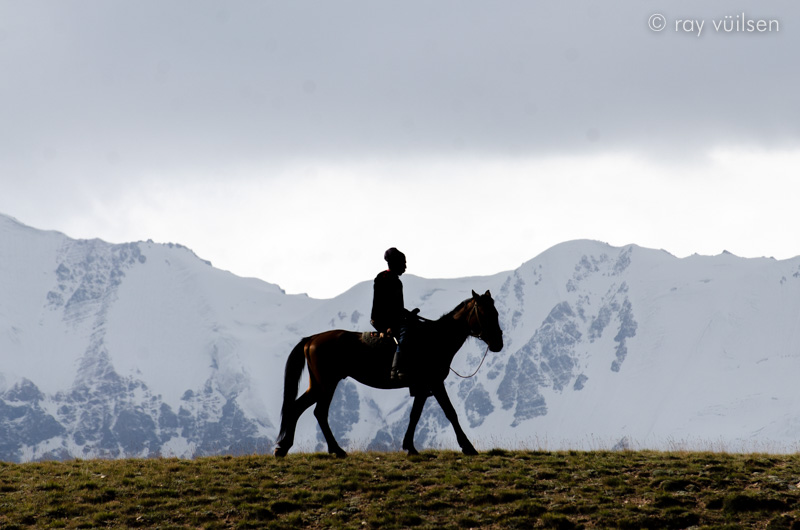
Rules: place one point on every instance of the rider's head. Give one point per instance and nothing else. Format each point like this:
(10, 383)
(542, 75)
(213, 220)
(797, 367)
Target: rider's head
(396, 260)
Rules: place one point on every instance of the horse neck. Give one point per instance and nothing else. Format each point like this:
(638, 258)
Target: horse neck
(452, 332)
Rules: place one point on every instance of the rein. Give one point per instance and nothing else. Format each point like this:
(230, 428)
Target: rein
(476, 370)
(478, 336)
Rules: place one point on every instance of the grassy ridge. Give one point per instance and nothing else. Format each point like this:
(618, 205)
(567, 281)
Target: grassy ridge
(498, 489)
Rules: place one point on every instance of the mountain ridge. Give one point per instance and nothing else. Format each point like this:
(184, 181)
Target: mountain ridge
(142, 349)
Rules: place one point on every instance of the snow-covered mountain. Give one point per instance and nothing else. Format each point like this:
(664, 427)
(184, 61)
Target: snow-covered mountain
(143, 349)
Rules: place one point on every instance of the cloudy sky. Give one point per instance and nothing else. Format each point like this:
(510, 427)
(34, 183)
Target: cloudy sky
(295, 141)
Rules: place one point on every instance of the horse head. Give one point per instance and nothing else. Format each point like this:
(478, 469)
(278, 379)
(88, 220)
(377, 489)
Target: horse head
(483, 320)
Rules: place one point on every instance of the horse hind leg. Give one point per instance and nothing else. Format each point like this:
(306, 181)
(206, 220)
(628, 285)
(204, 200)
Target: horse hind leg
(321, 413)
(289, 422)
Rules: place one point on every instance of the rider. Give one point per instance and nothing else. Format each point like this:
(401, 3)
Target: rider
(388, 312)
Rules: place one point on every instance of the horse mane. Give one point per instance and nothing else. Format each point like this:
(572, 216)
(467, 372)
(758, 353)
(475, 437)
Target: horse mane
(434, 330)
(458, 308)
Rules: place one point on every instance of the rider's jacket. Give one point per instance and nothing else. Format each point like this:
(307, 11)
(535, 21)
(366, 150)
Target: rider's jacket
(388, 311)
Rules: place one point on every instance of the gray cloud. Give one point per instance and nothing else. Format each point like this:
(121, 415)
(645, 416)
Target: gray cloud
(139, 119)
(117, 88)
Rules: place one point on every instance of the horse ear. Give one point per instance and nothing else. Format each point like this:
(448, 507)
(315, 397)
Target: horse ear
(487, 293)
(475, 295)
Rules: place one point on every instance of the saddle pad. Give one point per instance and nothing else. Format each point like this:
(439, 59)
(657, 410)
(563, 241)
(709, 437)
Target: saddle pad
(375, 339)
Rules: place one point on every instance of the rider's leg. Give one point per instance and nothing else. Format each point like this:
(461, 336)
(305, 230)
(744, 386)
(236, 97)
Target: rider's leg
(398, 364)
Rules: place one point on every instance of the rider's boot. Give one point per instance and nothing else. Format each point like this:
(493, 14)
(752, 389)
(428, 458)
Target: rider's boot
(397, 367)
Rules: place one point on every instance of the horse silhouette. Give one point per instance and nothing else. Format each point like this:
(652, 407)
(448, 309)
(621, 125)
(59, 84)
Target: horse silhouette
(335, 355)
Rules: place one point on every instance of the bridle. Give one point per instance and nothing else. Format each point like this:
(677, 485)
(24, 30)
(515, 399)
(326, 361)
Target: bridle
(478, 335)
(472, 333)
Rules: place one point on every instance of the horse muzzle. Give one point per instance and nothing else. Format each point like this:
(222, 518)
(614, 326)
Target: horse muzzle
(496, 345)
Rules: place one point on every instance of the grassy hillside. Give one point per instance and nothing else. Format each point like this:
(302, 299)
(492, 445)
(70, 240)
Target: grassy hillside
(498, 489)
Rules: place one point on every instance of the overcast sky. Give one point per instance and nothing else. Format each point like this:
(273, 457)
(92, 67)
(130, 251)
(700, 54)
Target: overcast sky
(295, 141)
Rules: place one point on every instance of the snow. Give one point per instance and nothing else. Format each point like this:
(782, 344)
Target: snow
(614, 343)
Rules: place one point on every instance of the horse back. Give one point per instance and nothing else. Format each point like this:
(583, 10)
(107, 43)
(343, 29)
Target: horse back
(336, 354)
(330, 343)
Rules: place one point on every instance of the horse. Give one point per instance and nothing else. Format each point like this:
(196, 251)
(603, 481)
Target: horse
(337, 354)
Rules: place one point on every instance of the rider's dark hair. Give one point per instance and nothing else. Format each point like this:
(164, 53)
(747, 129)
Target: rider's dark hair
(393, 255)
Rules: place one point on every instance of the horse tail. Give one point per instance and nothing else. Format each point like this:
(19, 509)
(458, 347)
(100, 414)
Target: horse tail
(294, 369)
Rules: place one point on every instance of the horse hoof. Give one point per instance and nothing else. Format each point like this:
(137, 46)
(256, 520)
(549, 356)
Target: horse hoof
(469, 451)
(339, 453)
(412, 451)
(280, 453)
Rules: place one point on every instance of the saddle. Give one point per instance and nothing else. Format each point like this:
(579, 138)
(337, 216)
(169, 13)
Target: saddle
(385, 341)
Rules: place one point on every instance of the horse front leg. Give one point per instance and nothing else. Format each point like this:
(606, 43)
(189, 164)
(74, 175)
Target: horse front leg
(321, 413)
(289, 423)
(441, 396)
(416, 412)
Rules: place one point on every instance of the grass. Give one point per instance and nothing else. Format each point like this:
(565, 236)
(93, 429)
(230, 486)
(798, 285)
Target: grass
(442, 489)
